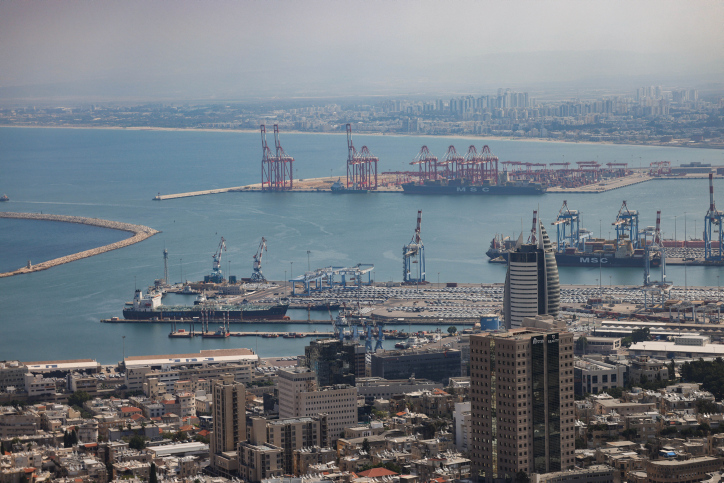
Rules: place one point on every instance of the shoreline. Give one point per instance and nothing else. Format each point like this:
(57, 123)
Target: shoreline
(140, 233)
(365, 133)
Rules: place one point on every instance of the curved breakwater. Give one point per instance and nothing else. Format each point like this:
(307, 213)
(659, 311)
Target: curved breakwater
(139, 232)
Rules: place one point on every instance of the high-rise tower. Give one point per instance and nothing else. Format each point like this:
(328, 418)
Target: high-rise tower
(531, 284)
(522, 414)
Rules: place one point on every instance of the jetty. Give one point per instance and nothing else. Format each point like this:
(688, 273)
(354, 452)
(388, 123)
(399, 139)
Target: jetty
(139, 233)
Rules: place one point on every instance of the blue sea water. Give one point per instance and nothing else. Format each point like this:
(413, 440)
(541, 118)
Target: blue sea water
(114, 174)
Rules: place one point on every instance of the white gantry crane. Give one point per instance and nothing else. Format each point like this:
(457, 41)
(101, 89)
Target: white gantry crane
(414, 254)
(217, 276)
(257, 276)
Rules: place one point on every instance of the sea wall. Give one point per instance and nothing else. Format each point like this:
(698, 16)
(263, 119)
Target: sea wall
(139, 232)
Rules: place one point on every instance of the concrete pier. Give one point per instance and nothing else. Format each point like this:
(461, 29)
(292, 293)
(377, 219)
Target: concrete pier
(139, 232)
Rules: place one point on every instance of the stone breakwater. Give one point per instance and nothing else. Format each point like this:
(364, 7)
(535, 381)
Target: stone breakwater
(140, 233)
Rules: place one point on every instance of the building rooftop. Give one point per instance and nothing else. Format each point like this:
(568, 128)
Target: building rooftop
(204, 356)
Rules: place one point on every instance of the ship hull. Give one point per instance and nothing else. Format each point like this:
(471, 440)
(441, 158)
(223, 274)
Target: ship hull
(275, 312)
(417, 189)
(589, 260)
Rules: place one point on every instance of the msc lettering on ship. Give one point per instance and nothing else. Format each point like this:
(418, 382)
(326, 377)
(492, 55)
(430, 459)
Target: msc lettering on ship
(473, 189)
(593, 260)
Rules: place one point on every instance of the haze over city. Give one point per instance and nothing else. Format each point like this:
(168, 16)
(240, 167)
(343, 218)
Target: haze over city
(241, 50)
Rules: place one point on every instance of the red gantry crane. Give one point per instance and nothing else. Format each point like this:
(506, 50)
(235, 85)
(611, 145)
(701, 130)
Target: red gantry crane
(361, 166)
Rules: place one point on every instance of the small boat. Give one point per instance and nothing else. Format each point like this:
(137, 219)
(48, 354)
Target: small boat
(4, 198)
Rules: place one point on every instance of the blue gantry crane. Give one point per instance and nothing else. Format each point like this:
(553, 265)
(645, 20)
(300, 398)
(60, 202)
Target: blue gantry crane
(627, 226)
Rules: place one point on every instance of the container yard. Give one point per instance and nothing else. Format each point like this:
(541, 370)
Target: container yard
(468, 171)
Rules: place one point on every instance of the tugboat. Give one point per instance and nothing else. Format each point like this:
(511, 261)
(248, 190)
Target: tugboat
(4, 198)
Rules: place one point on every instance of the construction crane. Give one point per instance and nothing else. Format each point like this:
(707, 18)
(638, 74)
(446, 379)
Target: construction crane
(414, 253)
(257, 276)
(217, 276)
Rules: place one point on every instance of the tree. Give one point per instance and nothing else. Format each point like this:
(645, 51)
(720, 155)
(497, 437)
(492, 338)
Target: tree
(641, 335)
(452, 330)
(522, 477)
(672, 370)
(180, 436)
(73, 438)
(137, 442)
(366, 446)
(66, 439)
(616, 392)
(78, 398)
(152, 477)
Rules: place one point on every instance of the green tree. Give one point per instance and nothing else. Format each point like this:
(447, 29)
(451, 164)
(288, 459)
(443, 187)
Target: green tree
(78, 398)
(616, 392)
(66, 439)
(180, 436)
(366, 446)
(73, 438)
(641, 335)
(452, 330)
(137, 442)
(672, 370)
(522, 477)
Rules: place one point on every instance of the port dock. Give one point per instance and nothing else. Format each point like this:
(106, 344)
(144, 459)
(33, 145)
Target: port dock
(388, 185)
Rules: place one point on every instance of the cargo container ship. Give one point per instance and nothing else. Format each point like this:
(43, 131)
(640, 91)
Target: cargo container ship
(596, 252)
(149, 307)
(462, 187)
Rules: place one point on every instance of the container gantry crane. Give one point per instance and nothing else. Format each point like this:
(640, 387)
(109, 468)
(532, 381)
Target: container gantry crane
(257, 276)
(414, 253)
(713, 222)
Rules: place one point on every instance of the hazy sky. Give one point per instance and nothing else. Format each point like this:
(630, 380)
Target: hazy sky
(219, 48)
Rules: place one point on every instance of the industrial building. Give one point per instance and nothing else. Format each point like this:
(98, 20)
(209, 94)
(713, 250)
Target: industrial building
(435, 364)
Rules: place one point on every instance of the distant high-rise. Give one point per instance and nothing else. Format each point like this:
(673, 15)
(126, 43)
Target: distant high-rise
(531, 284)
(229, 416)
(522, 414)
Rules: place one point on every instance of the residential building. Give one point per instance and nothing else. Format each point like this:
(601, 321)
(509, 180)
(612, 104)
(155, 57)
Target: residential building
(229, 413)
(463, 418)
(531, 283)
(259, 462)
(288, 435)
(299, 396)
(522, 403)
(12, 374)
(592, 376)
